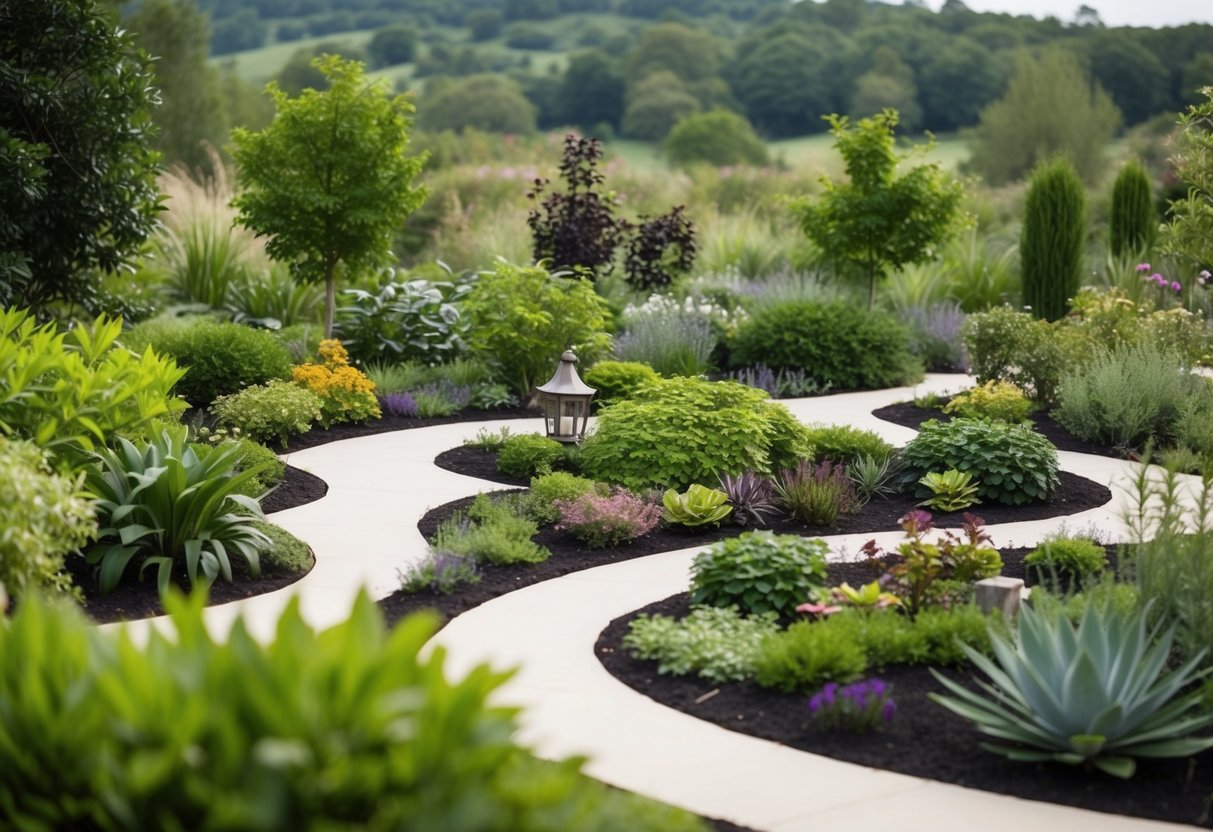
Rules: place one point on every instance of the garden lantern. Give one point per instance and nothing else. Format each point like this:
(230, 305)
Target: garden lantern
(566, 401)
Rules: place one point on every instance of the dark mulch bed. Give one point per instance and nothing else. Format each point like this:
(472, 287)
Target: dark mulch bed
(1076, 494)
(350, 430)
(297, 488)
(924, 740)
(910, 415)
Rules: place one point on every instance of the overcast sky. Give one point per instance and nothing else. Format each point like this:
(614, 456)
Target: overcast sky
(1112, 12)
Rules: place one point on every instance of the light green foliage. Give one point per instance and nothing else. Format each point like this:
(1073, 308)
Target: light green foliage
(253, 455)
(264, 412)
(1050, 109)
(529, 455)
(1126, 396)
(521, 318)
(1001, 401)
(951, 490)
(697, 506)
(1133, 219)
(836, 344)
(1013, 464)
(285, 552)
(685, 430)
(1189, 233)
(75, 391)
(558, 485)
(327, 182)
(760, 572)
(1094, 694)
(167, 503)
(718, 137)
(1067, 559)
(489, 102)
(873, 477)
(846, 444)
(43, 516)
(492, 531)
(616, 380)
(1008, 345)
(715, 643)
(879, 219)
(219, 358)
(1051, 246)
(845, 645)
(396, 743)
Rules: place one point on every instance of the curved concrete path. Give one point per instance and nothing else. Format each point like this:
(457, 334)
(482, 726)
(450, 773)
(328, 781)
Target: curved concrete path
(365, 530)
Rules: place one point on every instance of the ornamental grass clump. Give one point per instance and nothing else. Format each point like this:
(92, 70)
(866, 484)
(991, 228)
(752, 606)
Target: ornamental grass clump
(859, 707)
(816, 494)
(612, 520)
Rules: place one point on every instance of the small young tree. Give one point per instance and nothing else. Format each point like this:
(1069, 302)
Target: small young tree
(1133, 218)
(879, 220)
(328, 181)
(1050, 249)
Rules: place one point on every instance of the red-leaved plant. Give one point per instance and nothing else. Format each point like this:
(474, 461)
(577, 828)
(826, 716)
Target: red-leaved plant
(601, 521)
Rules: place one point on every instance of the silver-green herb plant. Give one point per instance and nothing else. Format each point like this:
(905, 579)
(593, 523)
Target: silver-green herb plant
(716, 643)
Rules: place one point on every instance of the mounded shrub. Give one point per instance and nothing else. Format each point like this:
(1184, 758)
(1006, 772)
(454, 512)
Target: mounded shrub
(616, 380)
(760, 572)
(530, 455)
(275, 410)
(1012, 464)
(685, 430)
(846, 444)
(838, 344)
(1005, 344)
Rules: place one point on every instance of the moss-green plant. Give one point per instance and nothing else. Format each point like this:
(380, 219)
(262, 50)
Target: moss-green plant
(491, 531)
(760, 572)
(1051, 248)
(809, 654)
(836, 344)
(528, 455)
(397, 742)
(285, 552)
(1013, 464)
(1067, 558)
(715, 643)
(558, 485)
(1132, 219)
(43, 517)
(264, 412)
(616, 380)
(686, 430)
(997, 400)
(846, 444)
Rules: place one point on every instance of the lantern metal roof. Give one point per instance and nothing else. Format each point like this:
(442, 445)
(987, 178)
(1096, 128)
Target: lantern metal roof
(565, 381)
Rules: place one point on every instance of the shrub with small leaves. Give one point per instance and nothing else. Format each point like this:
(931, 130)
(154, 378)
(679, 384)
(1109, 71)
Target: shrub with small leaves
(807, 655)
(614, 519)
(492, 531)
(346, 395)
(1013, 464)
(1067, 559)
(846, 444)
(257, 456)
(715, 643)
(529, 455)
(1005, 344)
(264, 412)
(1001, 401)
(617, 380)
(548, 489)
(760, 572)
(441, 572)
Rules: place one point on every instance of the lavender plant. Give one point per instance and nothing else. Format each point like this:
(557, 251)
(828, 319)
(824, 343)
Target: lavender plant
(442, 572)
(935, 335)
(398, 404)
(441, 399)
(859, 707)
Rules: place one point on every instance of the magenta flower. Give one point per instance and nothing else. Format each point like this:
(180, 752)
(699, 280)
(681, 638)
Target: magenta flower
(1176, 286)
(1143, 267)
(916, 522)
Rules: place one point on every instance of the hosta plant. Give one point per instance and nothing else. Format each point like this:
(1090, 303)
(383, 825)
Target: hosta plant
(750, 495)
(760, 572)
(1097, 693)
(168, 503)
(951, 490)
(697, 506)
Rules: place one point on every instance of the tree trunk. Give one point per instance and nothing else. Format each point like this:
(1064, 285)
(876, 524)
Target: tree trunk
(330, 299)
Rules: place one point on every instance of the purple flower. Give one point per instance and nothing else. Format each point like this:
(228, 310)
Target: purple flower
(887, 711)
(857, 707)
(1176, 286)
(1143, 267)
(916, 522)
(398, 404)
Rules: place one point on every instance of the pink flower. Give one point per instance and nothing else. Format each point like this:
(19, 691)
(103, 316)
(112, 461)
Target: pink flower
(1143, 267)
(818, 609)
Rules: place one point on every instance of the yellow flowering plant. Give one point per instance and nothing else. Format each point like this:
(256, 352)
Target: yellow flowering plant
(346, 394)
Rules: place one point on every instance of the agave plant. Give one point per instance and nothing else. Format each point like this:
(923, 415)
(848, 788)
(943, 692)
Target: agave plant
(750, 496)
(1093, 694)
(697, 506)
(169, 502)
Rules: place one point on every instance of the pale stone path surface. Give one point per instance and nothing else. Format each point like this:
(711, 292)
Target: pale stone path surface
(365, 530)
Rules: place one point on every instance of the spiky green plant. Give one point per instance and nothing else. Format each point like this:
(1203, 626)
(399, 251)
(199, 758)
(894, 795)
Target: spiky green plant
(1093, 694)
(1051, 249)
(1133, 219)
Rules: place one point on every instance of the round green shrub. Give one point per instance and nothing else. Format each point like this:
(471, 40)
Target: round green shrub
(997, 400)
(276, 410)
(558, 485)
(836, 343)
(845, 444)
(529, 455)
(760, 572)
(616, 380)
(1067, 558)
(685, 430)
(219, 358)
(1012, 464)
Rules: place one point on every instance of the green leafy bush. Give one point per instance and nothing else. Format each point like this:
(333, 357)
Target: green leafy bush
(522, 318)
(715, 643)
(73, 392)
(1013, 464)
(403, 320)
(263, 412)
(43, 516)
(167, 504)
(528, 455)
(760, 572)
(220, 358)
(1093, 694)
(616, 380)
(1067, 558)
(396, 743)
(1125, 397)
(697, 506)
(846, 444)
(547, 489)
(1007, 345)
(685, 430)
(997, 400)
(838, 344)
(285, 551)
(808, 654)
(492, 531)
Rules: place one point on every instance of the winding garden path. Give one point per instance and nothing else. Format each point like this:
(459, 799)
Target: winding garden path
(365, 529)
